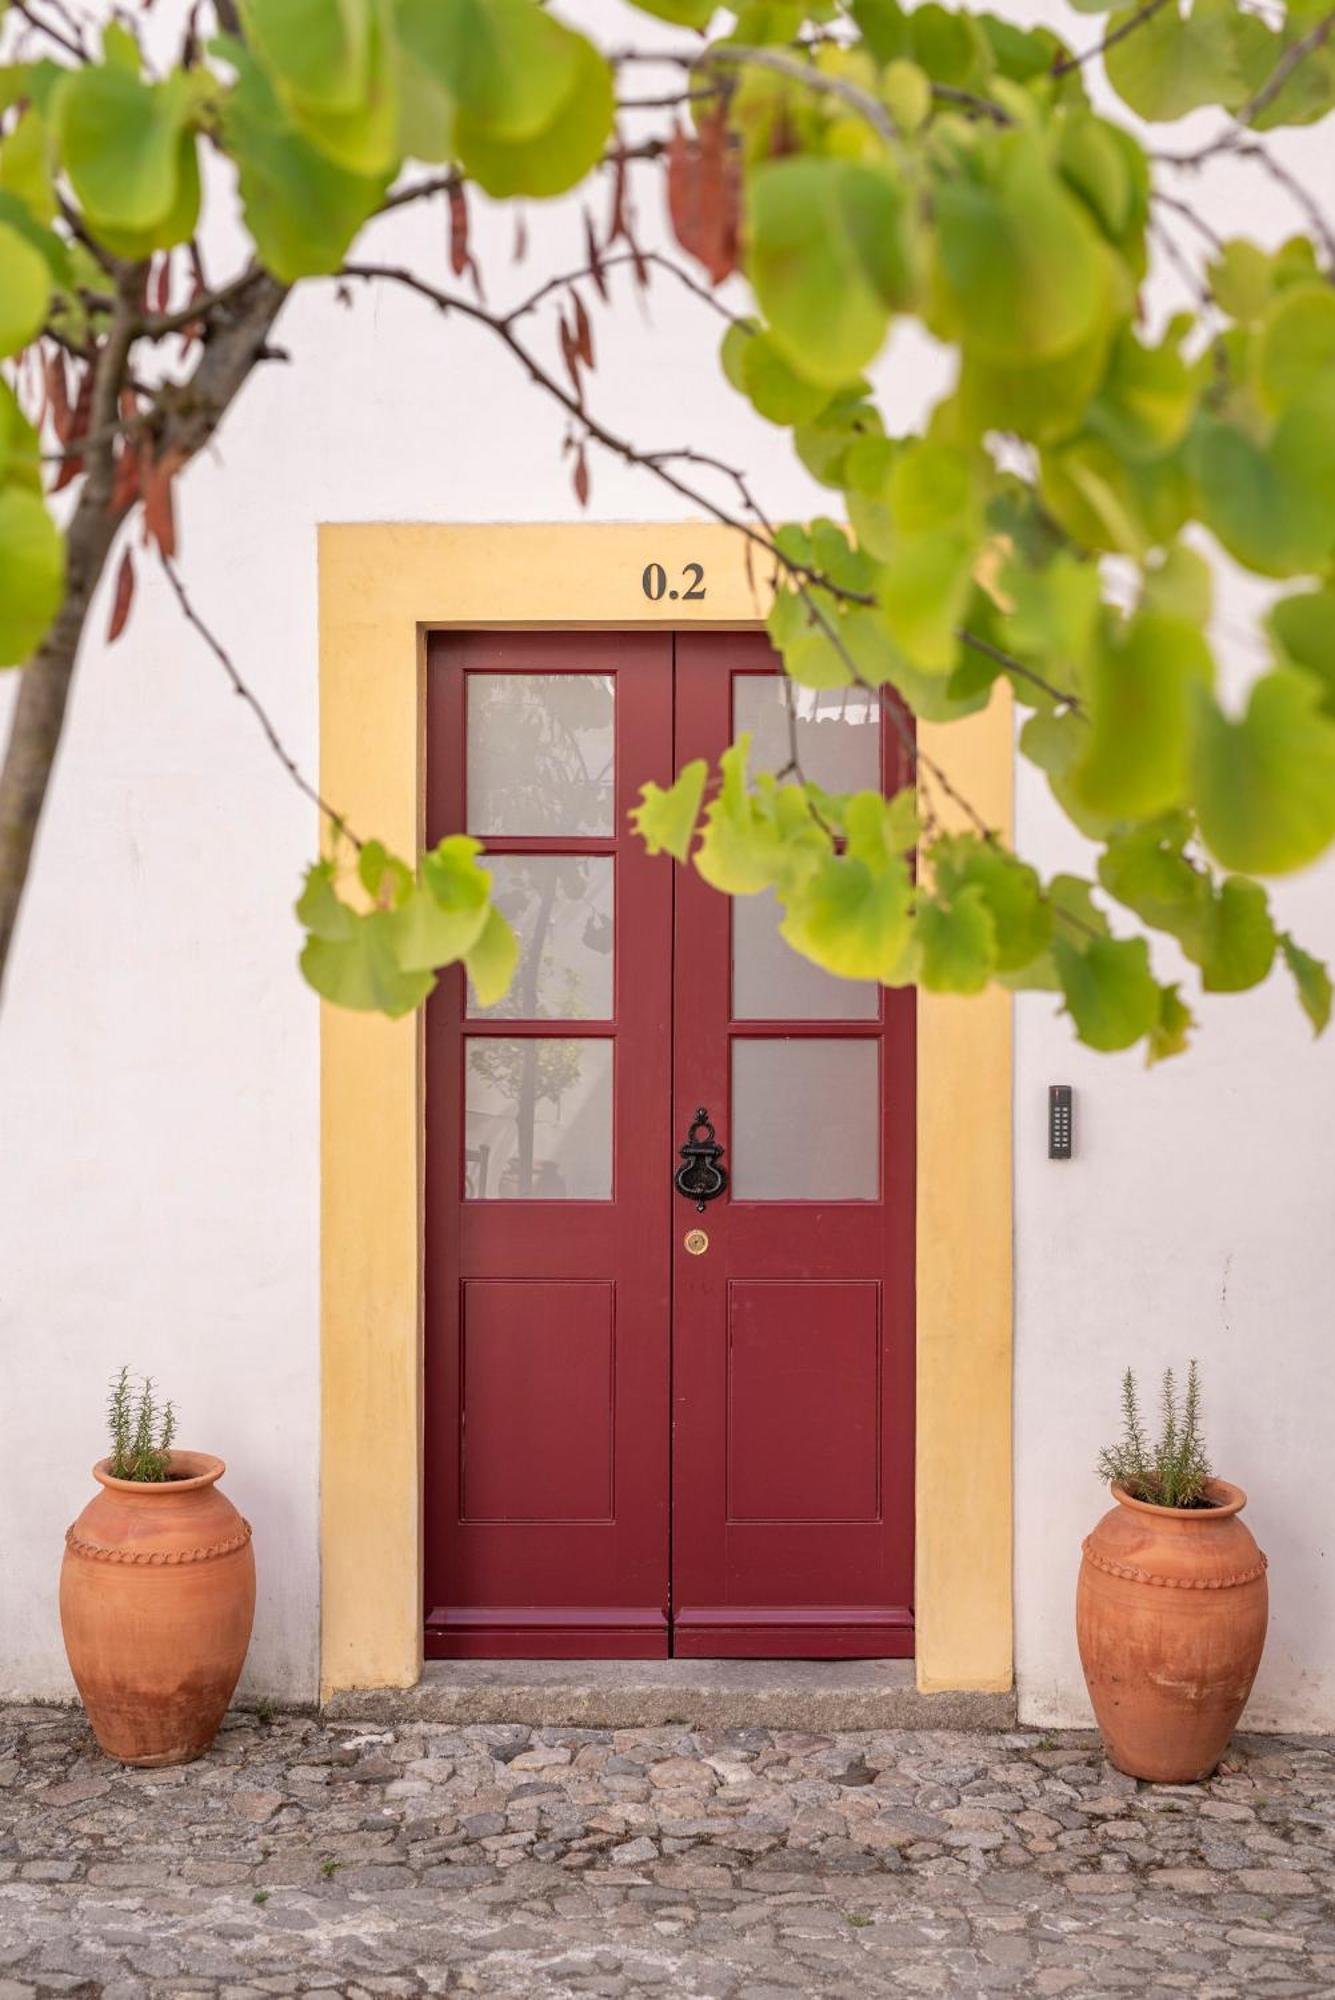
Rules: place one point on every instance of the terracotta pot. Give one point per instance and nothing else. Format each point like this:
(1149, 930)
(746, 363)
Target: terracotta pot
(1171, 1613)
(157, 1594)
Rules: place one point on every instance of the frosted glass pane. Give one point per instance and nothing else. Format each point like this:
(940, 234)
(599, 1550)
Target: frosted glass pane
(838, 730)
(806, 1121)
(538, 1119)
(540, 753)
(560, 906)
(771, 982)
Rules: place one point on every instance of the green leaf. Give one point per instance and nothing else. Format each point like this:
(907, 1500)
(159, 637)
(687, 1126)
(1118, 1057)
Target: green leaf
(687, 13)
(491, 961)
(1312, 980)
(25, 290)
(1142, 686)
(958, 942)
(1304, 627)
(1168, 1036)
(319, 49)
(321, 909)
(737, 848)
(1021, 272)
(1147, 397)
(361, 972)
(829, 256)
(1009, 888)
(755, 367)
(442, 918)
(1241, 279)
(1147, 870)
(665, 820)
(907, 91)
(26, 164)
(851, 917)
(1093, 162)
(1294, 349)
(1238, 944)
(561, 153)
(1265, 784)
(302, 210)
(1179, 585)
(130, 156)
(32, 572)
(1272, 507)
(1110, 992)
(1172, 63)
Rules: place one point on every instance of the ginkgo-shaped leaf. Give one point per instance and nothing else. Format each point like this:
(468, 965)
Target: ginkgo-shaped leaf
(302, 209)
(443, 917)
(1022, 273)
(1304, 629)
(492, 959)
(559, 155)
(319, 49)
(1010, 891)
(129, 151)
(1168, 1035)
(1171, 62)
(829, 253)
(1265, 782)
(1110, 992)
(1237, 948)
(1142, 684)
(1312, 980)
(739, 847)
(32, 572)
(25, 290)
(1293, 352)
(665, 820)
(851, 917)
(756, 368)
(1271, 505)
(957, 940)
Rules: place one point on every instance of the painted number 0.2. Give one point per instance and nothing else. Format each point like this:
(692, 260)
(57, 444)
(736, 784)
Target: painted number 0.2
(654, 583)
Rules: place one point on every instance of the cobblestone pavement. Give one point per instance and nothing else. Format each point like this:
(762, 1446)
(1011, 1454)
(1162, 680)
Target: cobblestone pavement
(311, 1858)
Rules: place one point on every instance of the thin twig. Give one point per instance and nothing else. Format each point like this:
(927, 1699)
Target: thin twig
(253, 702)
(56, 35)
(637, 258)
(1295, 53)
(1137, 20)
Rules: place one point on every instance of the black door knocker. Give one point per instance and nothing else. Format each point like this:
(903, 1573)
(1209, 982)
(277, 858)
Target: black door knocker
(700, 1177)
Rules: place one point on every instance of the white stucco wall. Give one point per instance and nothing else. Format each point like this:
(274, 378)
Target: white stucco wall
(158, 1052)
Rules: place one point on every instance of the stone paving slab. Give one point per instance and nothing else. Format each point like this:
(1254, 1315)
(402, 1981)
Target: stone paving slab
(312, 1857)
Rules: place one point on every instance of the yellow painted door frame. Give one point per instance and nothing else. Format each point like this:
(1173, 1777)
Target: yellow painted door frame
(382, 587)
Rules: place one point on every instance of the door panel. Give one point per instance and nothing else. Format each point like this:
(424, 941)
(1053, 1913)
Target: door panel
(547, 1245)
(792, 1346)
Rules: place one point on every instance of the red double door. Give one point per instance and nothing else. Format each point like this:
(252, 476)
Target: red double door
(655, 1426)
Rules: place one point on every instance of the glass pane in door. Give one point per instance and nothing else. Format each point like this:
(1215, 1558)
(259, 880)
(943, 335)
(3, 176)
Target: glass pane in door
(806, 1117)
(538, 1118)
(772, 982)
(560, 907)
(838, 730)
(540, 753)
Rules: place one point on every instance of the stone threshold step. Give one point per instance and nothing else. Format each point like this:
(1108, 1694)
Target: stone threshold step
(815, 1695)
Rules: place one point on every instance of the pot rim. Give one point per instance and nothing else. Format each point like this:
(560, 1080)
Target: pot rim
(194, 1470)
(1229, 1500)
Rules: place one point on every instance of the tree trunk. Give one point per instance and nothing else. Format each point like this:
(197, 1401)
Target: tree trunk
(187, 416)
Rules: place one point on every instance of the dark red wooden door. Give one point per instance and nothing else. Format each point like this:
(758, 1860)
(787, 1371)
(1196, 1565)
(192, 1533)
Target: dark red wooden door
(792, 1349)
(634, 1447)
(548, 1246)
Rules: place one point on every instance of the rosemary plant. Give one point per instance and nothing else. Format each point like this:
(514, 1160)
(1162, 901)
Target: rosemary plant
(141, 1431)
(1173, 1471)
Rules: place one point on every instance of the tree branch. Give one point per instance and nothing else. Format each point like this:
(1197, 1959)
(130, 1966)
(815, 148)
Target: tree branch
(1137, 20)
(187, 415)
(253, 702)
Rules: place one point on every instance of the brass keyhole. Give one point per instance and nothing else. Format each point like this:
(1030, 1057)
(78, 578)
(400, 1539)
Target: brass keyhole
(696, 1242)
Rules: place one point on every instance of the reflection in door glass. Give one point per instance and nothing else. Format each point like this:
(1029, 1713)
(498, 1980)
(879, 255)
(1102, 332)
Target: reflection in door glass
(540, 753)
(806, 1118)
(772, 982)
(838, 730)
(538, 1118)
(560, 906)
